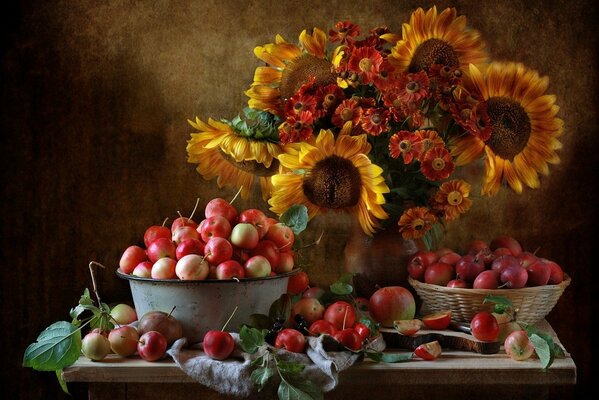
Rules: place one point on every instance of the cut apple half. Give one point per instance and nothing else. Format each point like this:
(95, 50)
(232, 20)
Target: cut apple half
(428, 351)
(439, 320)
(407, 327)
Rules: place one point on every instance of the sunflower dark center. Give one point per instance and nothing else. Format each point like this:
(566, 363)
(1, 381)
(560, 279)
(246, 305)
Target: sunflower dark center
(334, 183)
(299, 72)
(433, 51)
(252, 166)
(511, 127)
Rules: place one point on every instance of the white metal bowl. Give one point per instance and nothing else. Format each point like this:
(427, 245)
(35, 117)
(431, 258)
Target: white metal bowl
(201, 306)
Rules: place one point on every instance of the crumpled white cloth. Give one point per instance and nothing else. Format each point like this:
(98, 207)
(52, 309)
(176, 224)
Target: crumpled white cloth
(232, 376)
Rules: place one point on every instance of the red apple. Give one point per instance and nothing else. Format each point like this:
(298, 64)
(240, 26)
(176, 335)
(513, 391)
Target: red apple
(269, 250)
(539, 273)
(468, 267)
(152, 346)
(349, 338)
(518, 346)
(183, 221)
(189, 246)
(245, 236)
(310, 309)
(164, 268)
(215, 226)
(476, 246)
(439, 274)
(257, 218)
(162, 322)
(363, 330)
(183, 233)
(503, 262)
(132, 256)
(457, 283)
(154, 232)
(229, 269)
(257, 267)
(418, 263)
(286, 262)
(507, 242)
(527, 259)
(218, 345)
(143, 269)
(218, 250)
(484, 327)
(298, 283)
(428, 351)
(281, 235)
(291, 339)
(557, 274)
(223, 208)
(314, 292)
(321, 327)
(391, 303)
(450, 258)
(439, 320)
(340, 314)
(486, 280)
(514, 277)
(192, 267)
(161, 247)
(123, 340)
(95, 346)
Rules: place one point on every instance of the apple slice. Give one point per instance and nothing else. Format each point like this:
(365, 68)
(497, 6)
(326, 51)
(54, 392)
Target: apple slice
(428, 351)
(439, 320)
(407, 327)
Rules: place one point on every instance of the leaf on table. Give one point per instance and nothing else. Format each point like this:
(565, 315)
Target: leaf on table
(260, 376)
(291, 368)
(251, 339)
(298, 390)
(57, 347)
(543, 350)
(396, 357)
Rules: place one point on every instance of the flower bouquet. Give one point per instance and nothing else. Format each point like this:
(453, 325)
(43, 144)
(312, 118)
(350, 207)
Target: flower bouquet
(377, 125)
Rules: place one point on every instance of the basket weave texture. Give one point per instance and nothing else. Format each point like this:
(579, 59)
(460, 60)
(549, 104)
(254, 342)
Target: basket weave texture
(532, 303)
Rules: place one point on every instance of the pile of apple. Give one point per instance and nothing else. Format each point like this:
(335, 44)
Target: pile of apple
(224, 245)
(501, 264)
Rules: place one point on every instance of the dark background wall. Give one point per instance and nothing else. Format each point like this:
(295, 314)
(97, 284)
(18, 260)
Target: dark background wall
(95, 97)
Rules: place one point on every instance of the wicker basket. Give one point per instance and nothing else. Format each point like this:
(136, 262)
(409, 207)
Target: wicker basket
(532, 303)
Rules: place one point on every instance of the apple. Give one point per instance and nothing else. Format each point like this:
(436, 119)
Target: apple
(507, 242)
(267, 249)
(557, 274)
(314, 292)
(223, 208)
(143, 269)
(310, 309)
(488, 279)
(349, 338)
(152, 346)
(257, 218)
(503, 262)
(450, 258)
(514, 277)
(476, 246)
(518, 346)
(506, 328)
(257, 267)
(527, 259)
(298, 283)
(281, 235)
(291, 339)
(123, 314)
(189, 246)
(363, 330)
(215, 226)
(183, 221)
(162, 322)
(217, 250)
(418, 263)
(245, 236)
(538, 273)
(321, 327)
(407, 327)
(183, 233)
(468, 267)
(439, 320)
(286, 262)
(484, 327)
(340, 314)
(95, 346)
(164, 268)
(160, 248)
(154, 232)
(123, 340)
(212, 272)
(132, 256)
(218, 345)
(457, 283)
(229, 269)
(192, 267)
(391, 303)
(439, 273)
(501, 251)
(428, 351)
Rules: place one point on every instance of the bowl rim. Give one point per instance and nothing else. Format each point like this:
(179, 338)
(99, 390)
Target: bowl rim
(129, 277)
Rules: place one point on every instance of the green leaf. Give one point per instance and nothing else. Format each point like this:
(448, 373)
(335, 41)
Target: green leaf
(298, 390)
(502, 303)
(58, 346)
(374, 355)
(251, 339)
(396, 357)
(543, 351)
(260, 376)
(346, 278)
(290, 368)
(296, 217)
(257, 361)
(61, 381)
(341, 289)
(433, 236)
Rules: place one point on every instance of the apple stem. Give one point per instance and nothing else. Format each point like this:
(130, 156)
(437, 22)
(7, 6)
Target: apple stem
(537, 249)
(345, 316)
(229, 320)
(237, 194)
(182, 217)
(236, 279)
(195, 208)
(316, 242)
(93, 275)
(172, 310)
(164, 222)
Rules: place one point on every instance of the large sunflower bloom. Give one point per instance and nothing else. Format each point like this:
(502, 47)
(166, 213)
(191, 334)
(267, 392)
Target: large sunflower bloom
(332, 175)
(288, 67)
(524, 127)
(231, 158)
(430, 38)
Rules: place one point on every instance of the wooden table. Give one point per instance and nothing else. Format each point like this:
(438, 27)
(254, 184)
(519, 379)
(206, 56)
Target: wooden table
(457, 374)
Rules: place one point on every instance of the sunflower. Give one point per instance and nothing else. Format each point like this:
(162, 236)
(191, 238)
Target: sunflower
(233, 159)
(415, 221)
(452, 197)
(332, 175)
(430, 38)
(525, 130)
(288, 68)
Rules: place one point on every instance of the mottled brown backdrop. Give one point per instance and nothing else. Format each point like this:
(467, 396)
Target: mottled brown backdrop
(95, 98)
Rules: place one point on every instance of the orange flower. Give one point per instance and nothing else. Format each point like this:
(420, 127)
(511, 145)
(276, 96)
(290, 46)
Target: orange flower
(415, 221)
(343, 32)
(427, 140)
(404, 143)
(375, 121)
(348, 110)
(413, 87)
(296, 128)
(437, 164)
(452, 197)
(366, 62)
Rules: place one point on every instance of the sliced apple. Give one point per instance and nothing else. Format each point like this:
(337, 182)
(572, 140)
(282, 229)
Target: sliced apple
(428, 351)
(439, 320)
(407, 327)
